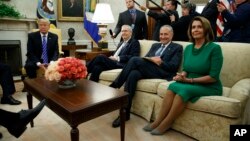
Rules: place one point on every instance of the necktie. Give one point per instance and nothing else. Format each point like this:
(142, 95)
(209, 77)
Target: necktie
(44, 53)
(121, 48)
(159, 51)
(132, 12)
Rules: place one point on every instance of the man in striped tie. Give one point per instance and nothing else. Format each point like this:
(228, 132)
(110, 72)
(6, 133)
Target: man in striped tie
(42, 48)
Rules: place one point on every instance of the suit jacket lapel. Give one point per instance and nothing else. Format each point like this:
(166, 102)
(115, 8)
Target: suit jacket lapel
(119, 45)
(136, 15)
(49, 41)
(125, 47)
(129, 15)
(153, 50)
(38, 42)
(167, 50)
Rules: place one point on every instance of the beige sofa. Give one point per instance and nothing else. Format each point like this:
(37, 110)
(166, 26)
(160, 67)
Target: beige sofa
(208, 118)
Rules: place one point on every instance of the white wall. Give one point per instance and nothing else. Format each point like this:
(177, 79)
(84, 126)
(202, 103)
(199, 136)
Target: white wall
(28, 9)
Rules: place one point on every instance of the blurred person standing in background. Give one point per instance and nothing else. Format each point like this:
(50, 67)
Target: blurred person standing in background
(135, 18)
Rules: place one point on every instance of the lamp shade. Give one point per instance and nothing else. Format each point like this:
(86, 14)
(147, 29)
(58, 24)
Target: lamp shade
(103, 14)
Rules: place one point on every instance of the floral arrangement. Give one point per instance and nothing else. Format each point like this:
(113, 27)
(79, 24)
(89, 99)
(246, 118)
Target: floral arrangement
(68, 68)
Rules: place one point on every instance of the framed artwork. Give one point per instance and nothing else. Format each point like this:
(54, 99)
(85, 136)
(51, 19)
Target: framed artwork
(153, 6)
(70, 10)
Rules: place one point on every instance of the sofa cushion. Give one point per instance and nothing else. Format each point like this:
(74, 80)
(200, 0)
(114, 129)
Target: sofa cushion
(162, 88)
(110, 75)
(145, 46)
(220, 105)
(149, 85)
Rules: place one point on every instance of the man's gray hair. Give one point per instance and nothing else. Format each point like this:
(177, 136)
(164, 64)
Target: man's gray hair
(128, 27)
(169, 27)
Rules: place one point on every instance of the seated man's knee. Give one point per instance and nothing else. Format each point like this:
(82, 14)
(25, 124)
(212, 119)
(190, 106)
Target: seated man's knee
(135, 59)
(31, 71)
(6, 67)
(100, 56)
(134, 74)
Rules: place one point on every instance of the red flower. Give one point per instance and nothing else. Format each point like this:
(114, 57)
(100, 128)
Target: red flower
(66, 68)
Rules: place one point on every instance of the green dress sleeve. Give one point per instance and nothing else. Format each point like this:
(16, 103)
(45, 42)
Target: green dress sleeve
(216, 61)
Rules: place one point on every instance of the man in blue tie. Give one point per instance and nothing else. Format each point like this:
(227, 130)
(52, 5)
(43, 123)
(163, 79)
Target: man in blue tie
(126, 49)
(162, 61)
(42, 48)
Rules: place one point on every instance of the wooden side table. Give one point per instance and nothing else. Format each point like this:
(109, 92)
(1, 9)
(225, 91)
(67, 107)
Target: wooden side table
(88, 54)
(71, 49)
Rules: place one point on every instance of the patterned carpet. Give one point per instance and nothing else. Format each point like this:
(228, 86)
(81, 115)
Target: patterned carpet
(18, 85)
(50, 127)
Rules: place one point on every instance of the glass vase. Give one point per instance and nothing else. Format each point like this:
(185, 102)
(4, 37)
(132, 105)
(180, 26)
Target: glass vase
(66, 84)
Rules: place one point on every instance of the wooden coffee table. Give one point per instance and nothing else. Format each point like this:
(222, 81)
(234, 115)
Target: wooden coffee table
(84, 102)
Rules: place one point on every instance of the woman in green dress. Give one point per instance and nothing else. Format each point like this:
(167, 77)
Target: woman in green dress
(200, 76)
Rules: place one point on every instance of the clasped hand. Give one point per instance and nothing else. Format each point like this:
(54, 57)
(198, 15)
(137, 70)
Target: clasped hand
(157, 60)
(43, 66)
(180, 77)
(113, 58)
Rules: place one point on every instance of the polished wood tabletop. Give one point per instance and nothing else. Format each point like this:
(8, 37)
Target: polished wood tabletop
(76, 105)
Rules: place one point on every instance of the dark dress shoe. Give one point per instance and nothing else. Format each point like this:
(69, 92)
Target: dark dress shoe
(26, 116)
(10, 100)
(117, 121)
(1, 136)
(113, 85)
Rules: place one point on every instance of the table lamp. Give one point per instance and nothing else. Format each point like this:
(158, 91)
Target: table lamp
(102, 16)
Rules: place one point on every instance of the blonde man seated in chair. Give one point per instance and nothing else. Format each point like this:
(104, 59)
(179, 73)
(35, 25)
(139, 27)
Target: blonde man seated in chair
(42, 48)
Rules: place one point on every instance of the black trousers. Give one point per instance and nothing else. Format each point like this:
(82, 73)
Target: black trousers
(101, 63)
(6, 80)
(31, 70)
(136, 69)
(7, 118)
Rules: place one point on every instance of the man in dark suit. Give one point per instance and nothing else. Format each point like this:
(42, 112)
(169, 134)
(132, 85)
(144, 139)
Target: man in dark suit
(42, 48)
(16, 122)
(8, 87)
(211, 12)
(162, 18)
(163, 61)
(135, 18)
(126, 49)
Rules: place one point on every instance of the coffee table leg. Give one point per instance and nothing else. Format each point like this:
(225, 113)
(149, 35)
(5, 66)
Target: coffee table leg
(74, 133)
(122, 128)
(30, 106)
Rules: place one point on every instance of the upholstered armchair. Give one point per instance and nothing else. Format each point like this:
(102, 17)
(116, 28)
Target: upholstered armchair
(56, 31)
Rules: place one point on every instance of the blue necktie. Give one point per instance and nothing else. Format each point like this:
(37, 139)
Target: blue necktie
(133, 14)
(159, 51)
(44, 53)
